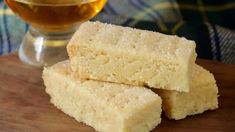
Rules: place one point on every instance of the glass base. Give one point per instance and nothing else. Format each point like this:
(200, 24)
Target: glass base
(44, 49)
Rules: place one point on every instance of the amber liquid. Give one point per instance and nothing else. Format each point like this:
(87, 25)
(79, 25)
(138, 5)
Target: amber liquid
(55, 16)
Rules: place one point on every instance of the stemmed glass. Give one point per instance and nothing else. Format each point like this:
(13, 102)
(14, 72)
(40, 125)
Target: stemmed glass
(52, 23)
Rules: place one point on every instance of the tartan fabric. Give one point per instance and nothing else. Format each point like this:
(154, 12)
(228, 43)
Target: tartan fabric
(211, 23)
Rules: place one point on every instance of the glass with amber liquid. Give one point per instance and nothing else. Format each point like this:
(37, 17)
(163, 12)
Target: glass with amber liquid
(53, 22)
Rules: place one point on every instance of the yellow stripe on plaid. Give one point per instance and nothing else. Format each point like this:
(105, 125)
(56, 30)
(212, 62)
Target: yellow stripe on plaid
(192, 7)
(220, 7)
(162, 25)
(176, 27)
(140, 15)
(209, 8)
(202, 10)
(6, 12)
(155, 7)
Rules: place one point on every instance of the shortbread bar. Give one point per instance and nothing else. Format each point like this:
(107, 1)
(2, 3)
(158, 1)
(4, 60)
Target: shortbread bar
(118, 54)
(202, 96)
(107, 107)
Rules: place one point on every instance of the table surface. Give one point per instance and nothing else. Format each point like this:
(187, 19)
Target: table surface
(24, 105)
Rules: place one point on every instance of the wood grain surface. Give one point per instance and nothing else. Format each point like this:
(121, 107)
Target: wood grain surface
(24, 106)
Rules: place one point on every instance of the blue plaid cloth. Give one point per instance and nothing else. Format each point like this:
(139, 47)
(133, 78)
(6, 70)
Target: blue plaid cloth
(211, 23)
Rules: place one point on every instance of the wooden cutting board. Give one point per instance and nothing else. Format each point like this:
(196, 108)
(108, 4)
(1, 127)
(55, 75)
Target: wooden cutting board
(24, 106)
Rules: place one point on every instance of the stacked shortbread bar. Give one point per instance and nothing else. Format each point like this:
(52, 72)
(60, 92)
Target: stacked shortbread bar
(105, 106)
(108, 80)
(125, 55)
(202, 96)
